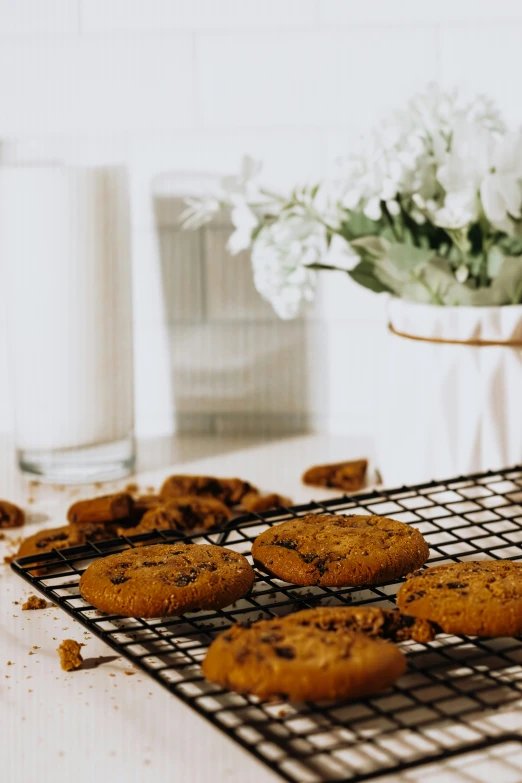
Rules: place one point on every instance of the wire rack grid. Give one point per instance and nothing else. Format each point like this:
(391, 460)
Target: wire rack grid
(452, 699)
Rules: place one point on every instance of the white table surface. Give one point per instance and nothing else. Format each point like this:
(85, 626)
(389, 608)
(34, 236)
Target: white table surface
(100, 724)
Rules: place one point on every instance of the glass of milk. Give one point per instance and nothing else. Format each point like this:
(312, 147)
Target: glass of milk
(65, 247)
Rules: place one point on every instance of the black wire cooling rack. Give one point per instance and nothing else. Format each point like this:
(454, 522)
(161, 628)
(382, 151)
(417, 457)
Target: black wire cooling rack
(459, 694)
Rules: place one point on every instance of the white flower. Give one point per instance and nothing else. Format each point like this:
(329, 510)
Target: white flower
(341, 255)
(403, 156)
(481, 162)
(500, 189)
(462, 273)
(244, 221)
(280, 259)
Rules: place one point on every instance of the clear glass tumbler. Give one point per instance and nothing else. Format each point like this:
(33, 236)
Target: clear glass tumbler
(65, 238)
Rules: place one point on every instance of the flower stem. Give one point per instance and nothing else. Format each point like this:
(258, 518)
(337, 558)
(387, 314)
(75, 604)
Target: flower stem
(390, 220)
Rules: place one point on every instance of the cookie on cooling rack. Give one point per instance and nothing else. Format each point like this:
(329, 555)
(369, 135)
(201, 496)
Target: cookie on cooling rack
(302, 660)
(186, 513)
(230, 491)
(474, 598)
(374, 621)
(166, 579)
(50, 538)
(338, 550)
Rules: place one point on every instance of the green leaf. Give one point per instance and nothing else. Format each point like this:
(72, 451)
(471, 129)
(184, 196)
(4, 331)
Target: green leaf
(506, 288)
(512, 246)
(358, 225)
(371, 248)
(406, 257)
(363, 274)
(495, 261)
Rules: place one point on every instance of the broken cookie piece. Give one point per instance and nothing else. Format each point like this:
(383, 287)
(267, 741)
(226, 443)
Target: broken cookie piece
(186, 513)
(106, 508)
(256, 503)
(349, 475)
(70, 657)
(34, 602)
(229, 491)
(10, 515)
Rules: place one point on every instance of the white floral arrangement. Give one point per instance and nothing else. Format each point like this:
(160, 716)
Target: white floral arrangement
(429, 210)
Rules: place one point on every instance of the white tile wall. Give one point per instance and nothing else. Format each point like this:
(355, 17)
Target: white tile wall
(26, 17)
(93, 84)
(189, 86)
(118, 15)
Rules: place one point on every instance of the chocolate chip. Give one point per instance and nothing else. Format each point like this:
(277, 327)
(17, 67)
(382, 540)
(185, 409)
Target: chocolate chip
(309, 558)
(272, 638)
(321, 566)
(285, 652)
(207, 566)
(414, 596)
(455, 585)
(190, 518)
(185, 579)
(119, 580)
(212, 487)
(286, 543)
(149, 563)
(227, 637)
(49, 540)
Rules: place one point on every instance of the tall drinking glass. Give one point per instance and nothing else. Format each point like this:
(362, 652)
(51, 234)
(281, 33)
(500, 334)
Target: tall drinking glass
(65, 245)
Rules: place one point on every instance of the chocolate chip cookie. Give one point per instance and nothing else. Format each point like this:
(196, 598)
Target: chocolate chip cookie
(230, 491)
(338, 550)
(390, 624)
(166, 579)
(50, 538)
(349, 476)
(10, 515)
(186, 513)
(105, 508)
(100, 518)
(302, 660)
(473, 598)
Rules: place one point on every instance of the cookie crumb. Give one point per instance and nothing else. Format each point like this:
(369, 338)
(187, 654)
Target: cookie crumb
(129, 674)
(70, 657)
(131, 487)
(2, 536)
(9, 558)
(34, 602)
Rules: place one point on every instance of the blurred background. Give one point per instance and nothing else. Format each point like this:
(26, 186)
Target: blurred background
(181, 90)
